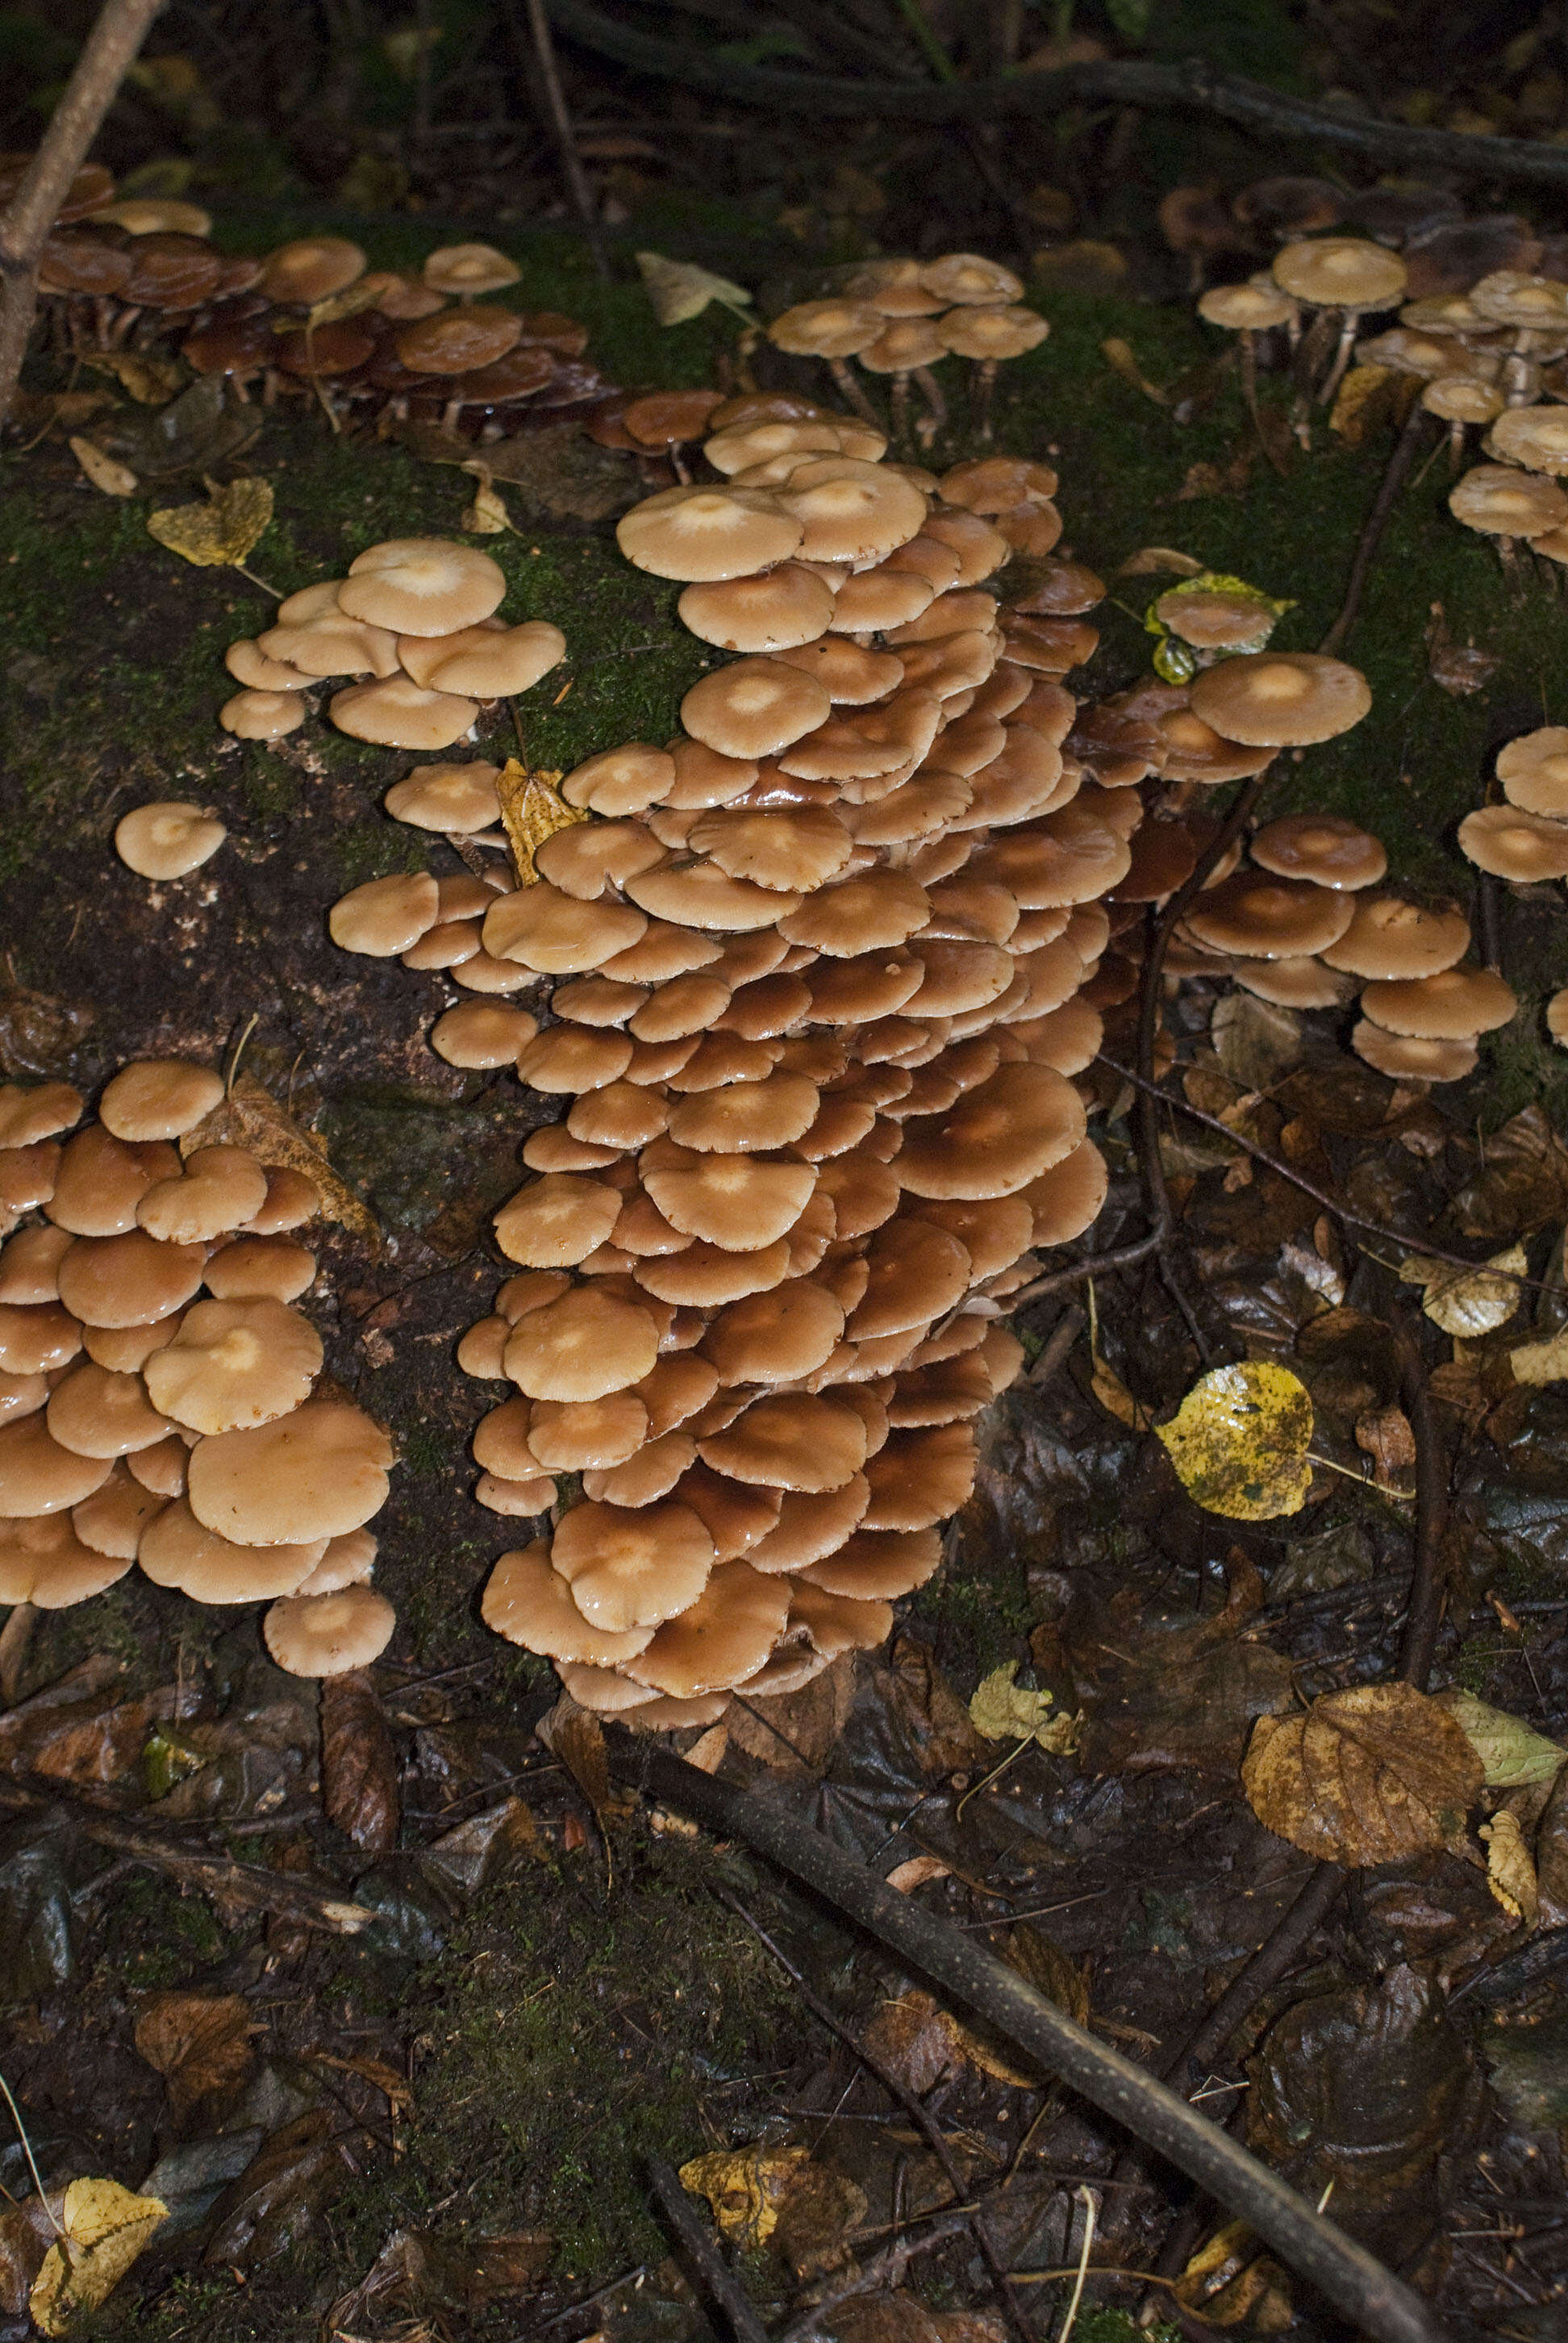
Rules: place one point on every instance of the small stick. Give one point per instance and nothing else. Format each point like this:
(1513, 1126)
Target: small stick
(706, 2258)
(544, 60)
(1424, 1613)
(1063, 1335)
(1377, 520)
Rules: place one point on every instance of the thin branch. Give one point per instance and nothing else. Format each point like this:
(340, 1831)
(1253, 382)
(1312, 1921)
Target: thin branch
(542, 43)
(718, 2280)
(1377, 521)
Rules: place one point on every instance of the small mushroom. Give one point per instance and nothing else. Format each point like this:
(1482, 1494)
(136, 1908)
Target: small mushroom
(169, 839)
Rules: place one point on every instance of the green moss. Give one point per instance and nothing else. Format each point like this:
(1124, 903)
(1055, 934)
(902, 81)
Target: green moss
(991, 1610)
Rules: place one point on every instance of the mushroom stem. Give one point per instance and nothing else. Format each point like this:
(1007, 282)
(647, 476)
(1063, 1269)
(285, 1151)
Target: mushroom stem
(1341, 357)
(852, 388)
(1521, 376)
(679, 466)
(980, 391)
(1247, 345)
(936, 414)
(900, 407)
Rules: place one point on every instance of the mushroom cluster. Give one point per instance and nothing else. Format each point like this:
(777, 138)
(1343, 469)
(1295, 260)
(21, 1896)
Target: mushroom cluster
(1524, 840)
(902, 317)
(144, 1420)
(312, 317)
(417, 616)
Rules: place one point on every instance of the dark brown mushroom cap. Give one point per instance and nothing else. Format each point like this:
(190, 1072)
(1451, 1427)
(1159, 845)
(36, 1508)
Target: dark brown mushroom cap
(632, 1566)
(878, 1565)
(996, 1138)
(1321, 847)
(457, 341)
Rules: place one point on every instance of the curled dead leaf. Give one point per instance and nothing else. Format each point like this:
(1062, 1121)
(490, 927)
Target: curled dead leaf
(1511, 1868)
(1367, 1776)
(1232, 2282)
(532, 809)
(745, 2187)
(250, 1117)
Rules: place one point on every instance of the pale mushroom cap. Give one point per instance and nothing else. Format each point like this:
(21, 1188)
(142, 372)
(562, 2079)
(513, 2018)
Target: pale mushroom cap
(775, 611)
(902, 344)
(1213, 620)
(1454, 1005)
(990, 333)
(1301, 983)
(1322, 847)
(394, 713)
(261, 715)
(624, 781)
(632, 1566)
(556, 934)
(177, 1550)
(455, 797)
(1460, 399)
(1513, 844)
(469, 268)
(851, 511)
(557, 1221)
(1405, 1059)
(738, 1202)
(233, 1364)
(94, 1412)
(313, 1473)
(1246, 308)
(703, 534)
(584, 1346)
(723, 1638)
(754, 707)
(249, 665)
(45, 1563)
(1501, 502)
(970, 276)
(1536, 437)
(1280, 699)
(482, 1033)
(1341, 272)
(1534, 770)
(128, 1281)
(311, 268)
(327, 1635)
(832, 328)
(485, 662)
(332, 643)
(1557, 1017)
(158, 1098)
(220, 1189)
(384, 916)
(153, 215)
(169, 839)
(1388, 936)
(111, 1521)
(530, 1604)
(422, 586)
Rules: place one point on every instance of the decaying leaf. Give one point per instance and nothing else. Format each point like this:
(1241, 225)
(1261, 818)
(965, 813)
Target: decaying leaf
(358, 1762)
(1363, 403)
(918, 1872)
(1458, 669)
(1511, 1868)
(1541, 1362)
(679, 290)
(106, 2228)
(532, 809)
(1383, 1434)
(1367, 1776)
(1230, 2282)
(150, 378)
(1522, 1182)
(577, 1737)
(745, 2187)
(1255, 1040)
(1050, 1970)
(198, 2042)
(1119, 355)
(111, 479)
(222, 533)
(1005, 1711)
(1238, 1441)
(919, 2042)
(1512, 1753)
(1468, 1301)
(277, 2196)
(251, 1117)
(487, 515)
(1150, 560)
(1105, 1382)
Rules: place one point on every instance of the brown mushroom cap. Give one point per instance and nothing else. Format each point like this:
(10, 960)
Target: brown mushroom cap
(1389, 938)
(1515, 845)
(261, 715)
(1321, 847)
(996, 1138)
(789, 1441)
(1341, 272)
(30, 1264)
(1214, 619)
(395, 714)
(314, 1474)
(989, 333)
(1534, 771)
(775, 1337)
(291, 1200)
(1067, 1200)
(348, 1561)
(740, 1117)
(557, 935)
(311, 268)
(384, 916)
(260, 1268)
(1246, 308)
(1510, 297)
(849, 511)
(790, 849)
(1501, 502)
(919, 1478)
(328, 1634)
(482, 1033)
(1264, 918)
(422, 586)
(1293, 984)
(1454, 1005)
(625, 780)
(1536, 437)
(27, 1116)
(94, 1411)
(489, 661)
(831, 329)
(704, 534)
(722, 1637)
(465, 269)
(177, 1550)
(583, 1346)
(1557, 1017)
(158, 1098)
(168, 839)
(1280, 699)
(632, 1566)
(878, 909)
(1406, 1059)
(111, 1521)
(530, 1604)
(773, 610)
(101, 1181)
(35, 1340)
(754, 707)
(128, 1281)
(37, 1475)
(877, 1564)
(220, 1189)
(45, 1563)
(235, 1364)
(917, 1270)
(737, 1203)
(455, 797)
(1461, 399)
(582, 1435)
(812, 1524)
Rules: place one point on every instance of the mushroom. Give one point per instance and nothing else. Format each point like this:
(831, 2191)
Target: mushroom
(835, 330)
(1387, 938)
(1280, 699)
(1534, 770)
(1460, 400)
(1507, 504)
(329, 1634)
(986, 337)
(1515, 845)
(1454, 1004)
(1323, 848)
(1341, 274)
(465, 269)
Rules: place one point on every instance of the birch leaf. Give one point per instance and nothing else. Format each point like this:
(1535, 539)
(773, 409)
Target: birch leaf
(220, 534)
(1466, 1302)
(1238, 1441)
(679, 290)
(1371, 1776)
(106, 2228)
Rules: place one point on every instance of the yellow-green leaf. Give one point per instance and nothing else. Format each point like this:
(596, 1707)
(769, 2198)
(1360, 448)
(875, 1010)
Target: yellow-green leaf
(220, 534)
(532, 809)
(745, 2187)
(106, 2228)
(1003, 1711)
(1512, 1753)
(678, 290)
(1468, 1301)
(1238, 1441)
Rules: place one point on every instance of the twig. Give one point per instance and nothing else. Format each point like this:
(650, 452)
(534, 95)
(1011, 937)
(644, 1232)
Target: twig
(915, 2107)
(883, 2270)
(1268, 1965)
(110, 46)
(1351, 2278)
(1096, 1264)
(1072, 2319)
(27, 2151)
(709, 2263)
(1063, 1334)
(1377, 520)
(542, 45)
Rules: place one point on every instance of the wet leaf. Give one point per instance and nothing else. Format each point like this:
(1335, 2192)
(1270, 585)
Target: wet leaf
(1458, 669)
(1363, 404)
(1004, 1710)
(109, 478)
(151, 379)
(745, 2187)
(1339, 1556)
(418, 2269)
(199, 2043)
(1255, 1040)
(288, 2181)
(532, 809)
(485, 1847)
(1231, 2281)
(1512, 1753)
(224, 532)
(1367, 1776)
(1522, 1182)
(37, 1032)
(106, 2228)
(679, 290)
(1238, 1441)
(1467, 1301)
(1541, 1362)
(1383, 1434)
(1050, 1970)
(358, 1762)
(24, 2238)
(193, 433)
(821, 2212)
(794, 1731)
(1511, 1868)
(918, 1872)
(1105, 1382)
(251, 1117)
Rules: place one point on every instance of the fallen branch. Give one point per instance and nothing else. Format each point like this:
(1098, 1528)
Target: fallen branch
(1377, 520)
(719, 2282)
(1351, 2278)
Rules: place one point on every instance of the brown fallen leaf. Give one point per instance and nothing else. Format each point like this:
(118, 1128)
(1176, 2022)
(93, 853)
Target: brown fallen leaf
(1383, 1434)
(1367, 1776)
(919, 2042)
(1458, 669)
(1048, 1969)
(793, 1731)
(359, 1763)
(251, 1117)
(1216, 480)
(199, 2043)
(274, 2201)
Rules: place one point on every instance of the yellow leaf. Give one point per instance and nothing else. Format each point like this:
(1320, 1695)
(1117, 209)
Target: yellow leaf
(487, 515)
(1511, 1868)
(1238, 1441)
(105, 2227)
(678, 290)
(1352, 413)
(220, 534)
(532, 809)
(1466, 1302)
(151, 379)
(1231, 2281)
(347, 303)
(251, 1117)
(1541, 1362)
(1106, 1385)
(745, 2187)
(111, 479)
(1119, 354)
(1003, 1711)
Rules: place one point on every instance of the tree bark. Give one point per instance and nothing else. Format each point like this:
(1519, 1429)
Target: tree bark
(110, 48)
